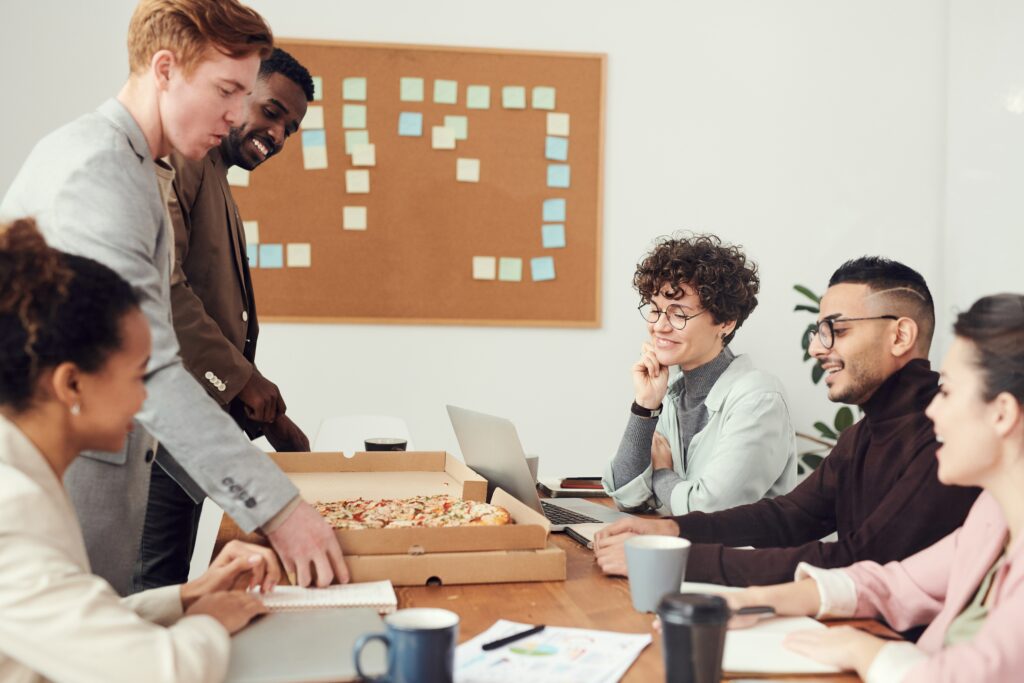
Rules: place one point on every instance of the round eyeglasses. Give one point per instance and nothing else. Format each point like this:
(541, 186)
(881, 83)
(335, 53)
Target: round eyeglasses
(674, 312)
(826, 329)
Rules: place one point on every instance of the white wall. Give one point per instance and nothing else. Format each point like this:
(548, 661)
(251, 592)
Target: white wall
(808, 131)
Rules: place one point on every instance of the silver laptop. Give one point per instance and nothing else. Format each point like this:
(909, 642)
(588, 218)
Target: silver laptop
(490, 445)
(312, 645)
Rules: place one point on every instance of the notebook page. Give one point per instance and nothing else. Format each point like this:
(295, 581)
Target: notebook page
(377, 594)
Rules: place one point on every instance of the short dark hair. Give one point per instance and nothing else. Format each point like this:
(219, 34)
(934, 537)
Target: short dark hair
(995, 326)
(726, 282)
(901, 283)
(280, 62)
(54, 308)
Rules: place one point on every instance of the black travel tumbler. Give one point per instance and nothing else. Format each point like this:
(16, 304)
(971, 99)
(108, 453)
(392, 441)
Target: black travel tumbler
(693, 636)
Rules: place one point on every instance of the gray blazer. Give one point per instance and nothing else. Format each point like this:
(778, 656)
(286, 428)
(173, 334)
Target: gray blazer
(92, 186)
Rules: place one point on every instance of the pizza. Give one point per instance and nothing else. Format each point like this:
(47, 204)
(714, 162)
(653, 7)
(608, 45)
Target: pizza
(418, 511)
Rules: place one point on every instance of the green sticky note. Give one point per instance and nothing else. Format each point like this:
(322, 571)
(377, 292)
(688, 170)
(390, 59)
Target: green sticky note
(353, 116)
(544, 97)
(459, 124)
(355, 137)
(446, 92)
(355, 89)
(513, 97)
(411, 89)
(478, 97)
(318, 88)
(510, 269)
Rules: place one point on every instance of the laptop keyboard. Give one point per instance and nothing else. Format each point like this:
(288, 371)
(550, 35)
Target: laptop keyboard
(559, 515)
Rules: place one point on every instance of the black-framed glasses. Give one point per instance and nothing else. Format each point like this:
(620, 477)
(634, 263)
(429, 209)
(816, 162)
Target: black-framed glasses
(674, 312)
(826, 330)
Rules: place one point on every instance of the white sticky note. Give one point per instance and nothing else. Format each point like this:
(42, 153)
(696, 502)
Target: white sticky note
(355, 137)
(314, 158)
(485, 267)
(354, 218)
(442, 137)
(252, 232)
(238, 177)
(314, 118)
(299, 255)
(467, 170)
(357, 182)
(364, 155)
(558, 124)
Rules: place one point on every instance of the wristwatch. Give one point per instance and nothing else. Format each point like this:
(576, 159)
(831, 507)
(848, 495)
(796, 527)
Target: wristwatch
(640, 411)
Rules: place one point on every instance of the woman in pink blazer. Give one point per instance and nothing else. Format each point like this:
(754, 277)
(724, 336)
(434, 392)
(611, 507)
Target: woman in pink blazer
(968, 587)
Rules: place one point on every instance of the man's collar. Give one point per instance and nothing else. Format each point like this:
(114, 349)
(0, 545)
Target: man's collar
(122, 119)
(908, 390)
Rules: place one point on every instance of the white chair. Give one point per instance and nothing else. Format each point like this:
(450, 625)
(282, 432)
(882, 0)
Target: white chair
(348, 432)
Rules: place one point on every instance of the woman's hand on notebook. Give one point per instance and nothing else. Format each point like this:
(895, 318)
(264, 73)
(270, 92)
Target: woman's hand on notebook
(234, 610)
(238, 567)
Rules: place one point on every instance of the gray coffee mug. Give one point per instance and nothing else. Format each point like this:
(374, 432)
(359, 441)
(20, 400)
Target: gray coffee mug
(421, 646)
(656, 565)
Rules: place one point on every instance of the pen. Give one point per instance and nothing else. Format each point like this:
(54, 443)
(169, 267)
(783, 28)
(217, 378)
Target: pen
(502, 642)
(754, 609)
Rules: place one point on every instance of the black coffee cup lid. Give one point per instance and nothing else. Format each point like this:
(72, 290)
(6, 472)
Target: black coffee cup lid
(693, 608)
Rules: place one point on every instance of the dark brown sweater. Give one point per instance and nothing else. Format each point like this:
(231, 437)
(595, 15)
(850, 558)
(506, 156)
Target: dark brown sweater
(878, 489)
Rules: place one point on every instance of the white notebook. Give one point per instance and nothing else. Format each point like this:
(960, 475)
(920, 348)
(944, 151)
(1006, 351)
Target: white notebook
(379, 595)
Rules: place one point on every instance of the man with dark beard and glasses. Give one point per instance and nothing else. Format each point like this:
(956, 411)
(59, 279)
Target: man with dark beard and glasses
(878, 489)
(214, 308)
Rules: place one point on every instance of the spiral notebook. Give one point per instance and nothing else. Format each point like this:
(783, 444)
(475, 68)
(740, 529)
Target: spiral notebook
(378, 595)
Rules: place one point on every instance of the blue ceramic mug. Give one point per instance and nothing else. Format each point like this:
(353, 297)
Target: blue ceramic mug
(420, 643)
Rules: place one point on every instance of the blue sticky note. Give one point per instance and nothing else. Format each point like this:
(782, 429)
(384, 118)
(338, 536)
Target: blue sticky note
(314, 138)
(553, 235)
(252, 251)
(556, 148)
(558, 175)
(271, 256)
(542, 268)
(410, 123)
(554, 210)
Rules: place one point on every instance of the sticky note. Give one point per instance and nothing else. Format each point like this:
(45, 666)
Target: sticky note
(318, 88)
(354, 218)
(355, 137)
(271, 256)
(442, 138)
(446, 92)
(513, 97)
(410, 123)
(484, 267)
(554, 210)
(364, 155)
(558, 124)
(252, 253)
(252, 232)
(478, 97)
(314, 118)
(354, 89)
(357, 182)
(542, 268)
(467, 170)
(510, 269)
(556, 148)
(353, 116)
(553, 235)
(543, 97)
(238, 177)
(411, 89)
(558, 175)
(314, 152)
(299, 255)
(459, 124)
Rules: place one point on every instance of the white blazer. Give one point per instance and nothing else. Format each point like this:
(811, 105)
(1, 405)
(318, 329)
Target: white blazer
(61, 623)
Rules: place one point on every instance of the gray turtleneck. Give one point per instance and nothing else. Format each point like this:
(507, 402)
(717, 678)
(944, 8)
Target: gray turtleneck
(686, 396)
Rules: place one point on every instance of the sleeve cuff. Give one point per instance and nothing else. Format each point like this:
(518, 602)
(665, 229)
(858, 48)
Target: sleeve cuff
(836, 590)
(277, 520)
(158, 605)
(893, 662)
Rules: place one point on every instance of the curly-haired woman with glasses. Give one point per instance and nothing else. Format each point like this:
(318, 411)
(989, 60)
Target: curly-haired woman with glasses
(719, 434)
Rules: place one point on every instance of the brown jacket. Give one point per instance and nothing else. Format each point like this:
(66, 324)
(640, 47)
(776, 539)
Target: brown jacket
(212, 300)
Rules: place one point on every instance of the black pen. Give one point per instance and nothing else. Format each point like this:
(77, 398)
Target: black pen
(502, 642)
(754, 609)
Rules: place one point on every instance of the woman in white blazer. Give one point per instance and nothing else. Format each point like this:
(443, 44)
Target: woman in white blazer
(74, 345)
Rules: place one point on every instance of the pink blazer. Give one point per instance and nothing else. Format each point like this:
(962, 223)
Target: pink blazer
(935, 585)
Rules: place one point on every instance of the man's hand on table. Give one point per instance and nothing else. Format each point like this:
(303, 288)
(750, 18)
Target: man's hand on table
(608, 542)
(307, 545)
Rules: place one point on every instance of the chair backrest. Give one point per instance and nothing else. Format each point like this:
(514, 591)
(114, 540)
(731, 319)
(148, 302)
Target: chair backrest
(348, 432)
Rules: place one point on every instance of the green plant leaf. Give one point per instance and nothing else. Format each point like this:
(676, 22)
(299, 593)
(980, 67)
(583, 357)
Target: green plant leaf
(812, 460)
(805, 338)
(844, 419)
(807, 356)
(804, 307)
(825, 431)
(808, 293)
(817, 372)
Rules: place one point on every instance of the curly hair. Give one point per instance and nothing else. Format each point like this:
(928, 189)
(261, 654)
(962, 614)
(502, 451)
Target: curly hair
(54, 308)
(725, 280)
(281, 62)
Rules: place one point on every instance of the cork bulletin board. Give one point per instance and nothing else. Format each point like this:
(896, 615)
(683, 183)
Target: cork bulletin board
(433, 185)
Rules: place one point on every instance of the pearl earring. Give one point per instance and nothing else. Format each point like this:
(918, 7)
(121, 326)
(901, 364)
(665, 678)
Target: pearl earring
(76, 409)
